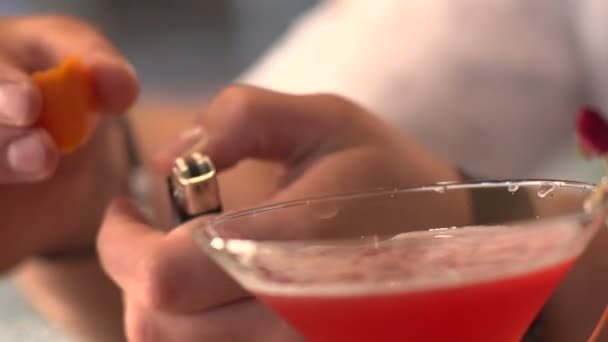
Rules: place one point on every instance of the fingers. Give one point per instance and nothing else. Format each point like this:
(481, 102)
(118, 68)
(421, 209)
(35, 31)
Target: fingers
(248, 122)
(192, 139)
(27, 155)
(173, 292)
(161, 271)
(245, 321)
(20, 100)
(38, 43)
(116, 83)
(258, 123)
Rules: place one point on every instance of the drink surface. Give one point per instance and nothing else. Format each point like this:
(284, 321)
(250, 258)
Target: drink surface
(465, 284)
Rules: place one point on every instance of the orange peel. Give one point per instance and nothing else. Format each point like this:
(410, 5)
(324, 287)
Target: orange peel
(69, 104)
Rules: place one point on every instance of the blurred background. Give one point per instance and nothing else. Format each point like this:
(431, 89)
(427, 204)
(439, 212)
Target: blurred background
(180, 48)
(184, 51)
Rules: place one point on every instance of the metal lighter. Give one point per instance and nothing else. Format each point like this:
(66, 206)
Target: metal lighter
(193, 187)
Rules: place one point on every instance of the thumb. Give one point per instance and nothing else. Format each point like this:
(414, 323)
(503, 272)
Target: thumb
(122, 217)
(248, 122)
(123, 222)
(122, 209)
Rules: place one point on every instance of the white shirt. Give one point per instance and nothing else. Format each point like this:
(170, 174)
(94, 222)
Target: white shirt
(492, 85)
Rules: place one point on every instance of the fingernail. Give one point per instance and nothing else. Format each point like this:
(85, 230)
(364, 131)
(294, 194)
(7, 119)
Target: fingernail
(191, 140)
(15, 104)
(27, 155)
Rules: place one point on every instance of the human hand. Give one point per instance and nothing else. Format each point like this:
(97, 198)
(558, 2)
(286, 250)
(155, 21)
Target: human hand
(324, 144)
(49, 202)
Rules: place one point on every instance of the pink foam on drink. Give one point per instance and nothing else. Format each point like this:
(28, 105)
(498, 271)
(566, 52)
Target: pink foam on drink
(410, 261)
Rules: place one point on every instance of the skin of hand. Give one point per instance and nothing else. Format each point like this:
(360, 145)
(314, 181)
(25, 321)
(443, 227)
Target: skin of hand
(320, 143)
(50, 203)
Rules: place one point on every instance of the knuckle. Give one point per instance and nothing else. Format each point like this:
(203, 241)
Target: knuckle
(331, 97)
(62, 21)
(236, 102)
(337, 103)
(344, 112)
(64, 25)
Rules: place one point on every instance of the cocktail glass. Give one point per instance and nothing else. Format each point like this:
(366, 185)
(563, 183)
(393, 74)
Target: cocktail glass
(448, 262)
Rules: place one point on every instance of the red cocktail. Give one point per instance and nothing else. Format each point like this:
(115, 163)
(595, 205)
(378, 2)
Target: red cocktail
(375, 267)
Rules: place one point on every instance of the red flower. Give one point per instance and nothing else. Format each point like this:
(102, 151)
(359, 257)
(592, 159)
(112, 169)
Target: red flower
(592, 131)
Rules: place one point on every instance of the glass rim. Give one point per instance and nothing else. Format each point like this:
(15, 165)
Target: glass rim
(218, 243)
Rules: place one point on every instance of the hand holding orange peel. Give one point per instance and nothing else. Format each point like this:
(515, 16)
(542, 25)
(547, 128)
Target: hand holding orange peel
(69, 104)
